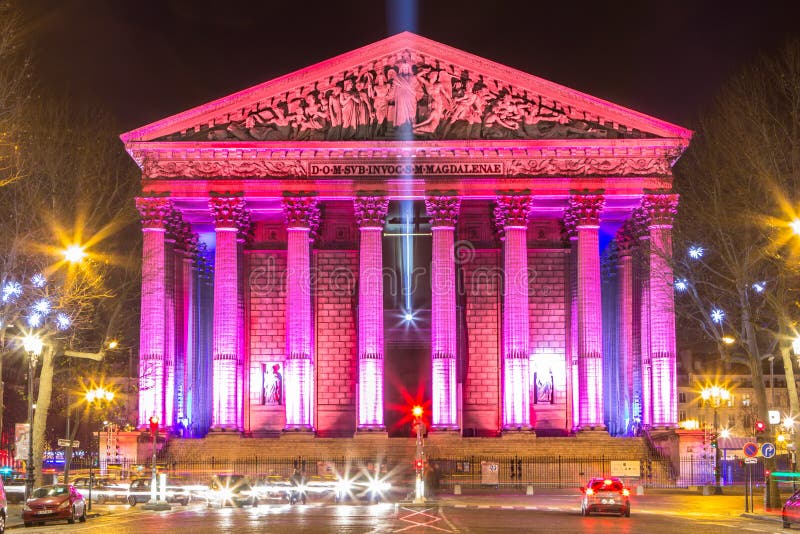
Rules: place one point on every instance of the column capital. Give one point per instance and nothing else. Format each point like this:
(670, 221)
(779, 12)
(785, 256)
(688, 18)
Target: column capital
(584, 209)
(443, 210)
(512, 210)
(660, 208)
(626, 238)
(155, 212)
(226, 211)
(186, 240)
(371, 211)
(640, 220)
(301, 212)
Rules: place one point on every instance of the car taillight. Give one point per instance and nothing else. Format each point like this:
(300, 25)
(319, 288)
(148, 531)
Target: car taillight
(589, 491)
(626, 492)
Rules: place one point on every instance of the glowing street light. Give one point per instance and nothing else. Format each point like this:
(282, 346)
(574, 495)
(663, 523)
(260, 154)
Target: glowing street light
(716, 395)
(33, 345)
(795, 226)
(728, 340)
(74, 254)
(113, 344)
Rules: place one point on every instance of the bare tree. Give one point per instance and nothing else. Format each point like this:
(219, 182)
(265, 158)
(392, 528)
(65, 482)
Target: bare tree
(738, 184)
(14, 82)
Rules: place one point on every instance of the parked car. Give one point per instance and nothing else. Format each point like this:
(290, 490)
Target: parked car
(139, 492)
(791, 510)
(14, 487)
(3, 507)
(605, 495)
(226, 490)
(53, 503)
(103, 490)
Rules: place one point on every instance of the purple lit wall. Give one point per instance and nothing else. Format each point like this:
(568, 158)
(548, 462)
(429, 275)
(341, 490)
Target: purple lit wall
(302, 219)
(370, 215)
(661, 209)
(443, 212)
(511, 213)
(586, 213)
(154, 212)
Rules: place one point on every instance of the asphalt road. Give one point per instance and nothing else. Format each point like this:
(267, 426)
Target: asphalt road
(325, 517)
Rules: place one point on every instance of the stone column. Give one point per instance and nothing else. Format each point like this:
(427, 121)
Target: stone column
(370, 212)
(443, 211)
(226, 212)
(661, 210)
(572, 300)
(302, 220)
(511, 214)
(626, 241)
(154, 212)
(642, 287)
(585, 209)
(185, 314)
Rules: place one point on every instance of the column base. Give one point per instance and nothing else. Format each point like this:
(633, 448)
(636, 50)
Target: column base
(517, 428)
(371, 428)
(445, 428)
(222, 429)
(298, 428)
(589, 430)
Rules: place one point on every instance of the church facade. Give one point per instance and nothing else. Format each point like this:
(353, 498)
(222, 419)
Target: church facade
(407, 224)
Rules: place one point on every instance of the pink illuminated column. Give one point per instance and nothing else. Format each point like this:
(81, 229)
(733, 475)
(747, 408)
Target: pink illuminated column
(585, 209)
(185, 310)
(511, 214)
(370, 212)
(154, 212)
(226, 212)
(641, 220)
(661, 210)
(443, 211)
(302, 220)
(626, 241)
(572, 357)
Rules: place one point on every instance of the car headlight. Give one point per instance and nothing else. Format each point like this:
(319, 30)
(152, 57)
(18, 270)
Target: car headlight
(64, 505)
(225, 494)
(26, 508)
(378, 486)
(344, 486)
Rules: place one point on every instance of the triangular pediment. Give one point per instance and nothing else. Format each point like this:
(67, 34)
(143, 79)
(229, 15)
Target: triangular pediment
(406, 87)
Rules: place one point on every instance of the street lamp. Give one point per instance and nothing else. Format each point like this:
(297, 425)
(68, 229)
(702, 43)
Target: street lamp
(74, 254)
(716, 395)
(419, 457)
(33, 345)
(95, 396)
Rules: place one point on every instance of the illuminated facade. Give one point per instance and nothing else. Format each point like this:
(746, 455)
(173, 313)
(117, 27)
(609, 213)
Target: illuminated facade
(407, 223)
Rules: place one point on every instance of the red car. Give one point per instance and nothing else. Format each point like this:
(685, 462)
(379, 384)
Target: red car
(791, 510)
(53, 503)
(606, 495)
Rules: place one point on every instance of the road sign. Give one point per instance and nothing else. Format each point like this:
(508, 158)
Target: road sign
(65, 443)
(750, 449)
(774, 417)
(625, 469)
(767, 450)
(751, 460)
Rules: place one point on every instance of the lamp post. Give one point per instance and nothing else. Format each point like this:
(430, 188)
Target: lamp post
(419, 456)
(95, 396)
(33, 346)
(715, 395)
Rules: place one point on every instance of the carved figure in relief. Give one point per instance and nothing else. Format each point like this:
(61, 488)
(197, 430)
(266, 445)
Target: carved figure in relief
(406, 92)
(406, 88)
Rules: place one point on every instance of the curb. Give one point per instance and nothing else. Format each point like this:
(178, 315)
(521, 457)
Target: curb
(22, 525)
(775, 518)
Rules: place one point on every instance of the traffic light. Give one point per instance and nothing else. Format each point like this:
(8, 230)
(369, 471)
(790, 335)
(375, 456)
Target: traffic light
(714, 442)
(153, 424)
(761, 427)
(418, 464)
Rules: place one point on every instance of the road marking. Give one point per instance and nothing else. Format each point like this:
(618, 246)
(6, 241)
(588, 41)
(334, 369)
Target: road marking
(427, 520)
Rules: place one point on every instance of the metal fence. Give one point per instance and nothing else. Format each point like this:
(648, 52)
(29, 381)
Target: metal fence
(445, 472)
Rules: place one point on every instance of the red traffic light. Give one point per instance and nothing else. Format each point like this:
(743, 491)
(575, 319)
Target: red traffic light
(760, 426)
(418, 464)
(153, 423)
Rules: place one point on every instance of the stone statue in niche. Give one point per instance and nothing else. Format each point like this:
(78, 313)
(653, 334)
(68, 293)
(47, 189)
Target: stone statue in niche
(407, 95)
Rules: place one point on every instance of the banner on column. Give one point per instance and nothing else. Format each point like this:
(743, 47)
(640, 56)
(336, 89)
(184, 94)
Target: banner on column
(22, 441)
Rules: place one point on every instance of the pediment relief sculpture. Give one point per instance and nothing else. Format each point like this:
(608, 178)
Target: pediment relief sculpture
(407, 96)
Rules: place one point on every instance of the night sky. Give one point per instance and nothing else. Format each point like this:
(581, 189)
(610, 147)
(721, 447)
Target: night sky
(147, 59)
